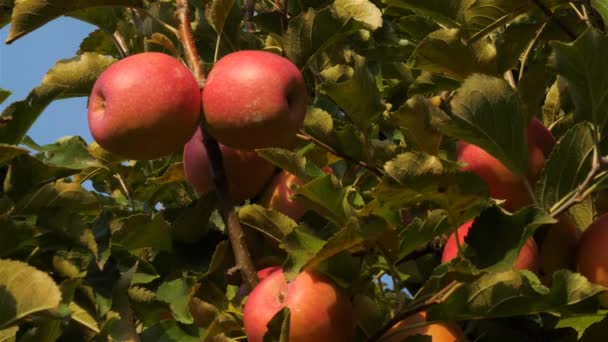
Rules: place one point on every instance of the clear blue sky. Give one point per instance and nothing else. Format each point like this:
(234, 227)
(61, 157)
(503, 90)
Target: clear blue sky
(24, 63)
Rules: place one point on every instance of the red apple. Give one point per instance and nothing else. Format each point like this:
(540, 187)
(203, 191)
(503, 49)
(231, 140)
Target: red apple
(255, 99)
(558, 246)
(439, 332)
(527, 258)
(592, 254)
(144, 106)
(320, 311)
(247, 172)
(503, 183)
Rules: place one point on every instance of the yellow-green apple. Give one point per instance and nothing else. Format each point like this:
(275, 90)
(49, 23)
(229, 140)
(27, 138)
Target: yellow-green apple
(527, 258)
(439, 332)
(254, 99)
(591, 256)
(503, 183)
(320, 311)
(144, 106)
(247, 172)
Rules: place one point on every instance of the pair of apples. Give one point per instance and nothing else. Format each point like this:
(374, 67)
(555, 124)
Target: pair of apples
(149, 105)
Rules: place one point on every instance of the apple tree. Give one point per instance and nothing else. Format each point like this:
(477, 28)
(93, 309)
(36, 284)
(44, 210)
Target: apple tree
(352, 170)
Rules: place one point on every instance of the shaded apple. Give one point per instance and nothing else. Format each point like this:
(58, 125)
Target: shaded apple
(145, 106)
(439, 332)
(255, 99)
(558, 246)
(503, 183)
(247, 172)
(320, 311)
(527, 258)
(592, 254)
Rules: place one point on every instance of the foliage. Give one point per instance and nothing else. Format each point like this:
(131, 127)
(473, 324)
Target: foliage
(93, 247)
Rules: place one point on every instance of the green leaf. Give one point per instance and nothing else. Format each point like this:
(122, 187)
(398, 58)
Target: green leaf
(512, 293)
(489, 114)
(4, 94)
(602, 7)
(68, 78)
(509, 233)
(580, 323)
(6, 8)
(360, 10)
(448, 13)
(177, 294)
(83, 317)
(28, 15)
(485, 16)
(416, 177)
(582, 64)
(171, 331)
(292, 162)
(421, 231)
(567, 166)
(218, 12)
(10, 152)
(25, 290)
(310, 33)
(106, 18)
(301, 245)
(269, 222)
(325, 196)
(278, 327)
(68, 152)
(15, 235)
(9, 335)
(355, 91)
(99, 42)
(141, 231)
(444, 52)
(414, 119)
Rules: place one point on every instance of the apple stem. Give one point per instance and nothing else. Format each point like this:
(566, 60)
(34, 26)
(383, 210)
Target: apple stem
(236, 234)
(121, 45)
(249, 9)
(418, 305)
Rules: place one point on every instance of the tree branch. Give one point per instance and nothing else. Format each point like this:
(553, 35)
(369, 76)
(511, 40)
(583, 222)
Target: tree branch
(233, 226)
(550, 15)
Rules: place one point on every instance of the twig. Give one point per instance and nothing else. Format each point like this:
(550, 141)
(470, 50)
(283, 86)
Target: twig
(524, 58)
(437, 298)
(581, 192)
(233, 226)
(249, 9)
(550, 15)
(306, 137)
(121, 45)
(125, 189)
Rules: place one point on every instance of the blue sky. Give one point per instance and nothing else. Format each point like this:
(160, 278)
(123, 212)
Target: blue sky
(24, 63)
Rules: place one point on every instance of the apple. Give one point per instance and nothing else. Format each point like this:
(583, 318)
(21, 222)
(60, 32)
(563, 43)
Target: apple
(255, 99)
(503, 183)
(144, 106)
(558, 245)
(439, 332)
(320, 311)
(247, 172)
(591, 256)
(527, 258)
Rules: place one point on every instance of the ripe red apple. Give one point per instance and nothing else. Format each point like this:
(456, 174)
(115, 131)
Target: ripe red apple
(144, 106)
(247, 172)
(254, 99)
(592, 257)
(503, 183)
(527, 258)
(320, 311)
(439, 332)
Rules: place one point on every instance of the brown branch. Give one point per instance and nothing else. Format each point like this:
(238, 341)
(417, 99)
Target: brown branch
(249, 9)
(236, 234)
(306, 137)
(551, 16)
(437, 298)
